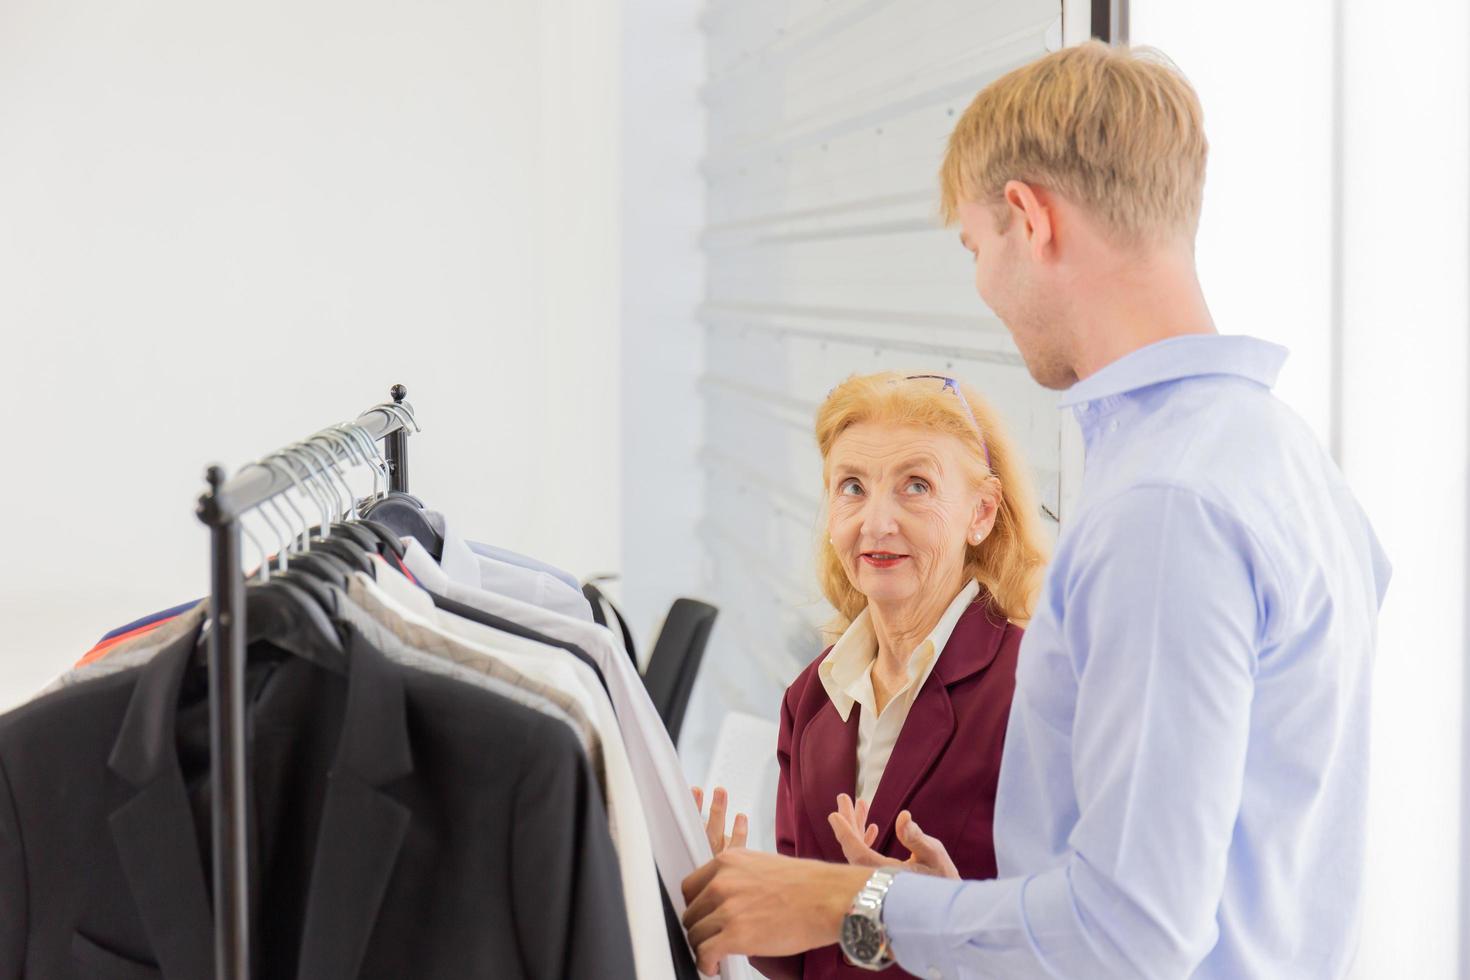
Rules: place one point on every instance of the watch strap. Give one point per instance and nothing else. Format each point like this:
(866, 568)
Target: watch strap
(868, 904)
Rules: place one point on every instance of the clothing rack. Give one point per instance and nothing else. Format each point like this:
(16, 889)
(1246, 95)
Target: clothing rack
(221, 508)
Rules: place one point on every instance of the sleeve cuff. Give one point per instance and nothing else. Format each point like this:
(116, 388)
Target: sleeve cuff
(915, 913)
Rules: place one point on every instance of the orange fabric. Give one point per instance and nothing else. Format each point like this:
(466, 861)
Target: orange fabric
(105, 647)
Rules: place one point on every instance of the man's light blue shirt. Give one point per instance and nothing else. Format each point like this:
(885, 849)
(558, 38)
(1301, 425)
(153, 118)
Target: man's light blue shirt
(1183, 791)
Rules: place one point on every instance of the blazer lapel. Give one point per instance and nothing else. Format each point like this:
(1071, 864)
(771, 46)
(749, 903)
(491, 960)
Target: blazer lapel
(362, 828)
(828, 767)
(931, 721)
(153, 827)
(926, 732)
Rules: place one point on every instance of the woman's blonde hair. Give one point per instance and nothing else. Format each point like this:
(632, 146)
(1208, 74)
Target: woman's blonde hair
(1117, 130)
(1010, 562)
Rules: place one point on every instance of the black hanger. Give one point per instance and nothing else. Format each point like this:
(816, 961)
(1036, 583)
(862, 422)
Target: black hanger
(287, 616)
(388, 541)
(346, 550)
(323, 565)
(404, 516)
(359, 536)
(313, 586)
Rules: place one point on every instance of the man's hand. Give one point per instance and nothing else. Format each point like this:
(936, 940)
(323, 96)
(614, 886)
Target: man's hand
(927, 855)
(756, 904)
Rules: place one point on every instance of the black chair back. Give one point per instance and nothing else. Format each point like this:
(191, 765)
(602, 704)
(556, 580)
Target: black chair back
(675, 660)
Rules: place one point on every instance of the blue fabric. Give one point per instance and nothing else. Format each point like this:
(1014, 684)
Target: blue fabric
(150, 619)
(1182, 791)
(523, 561)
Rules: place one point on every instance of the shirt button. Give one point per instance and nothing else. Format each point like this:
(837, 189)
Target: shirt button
(1113, 426)
(934, 973)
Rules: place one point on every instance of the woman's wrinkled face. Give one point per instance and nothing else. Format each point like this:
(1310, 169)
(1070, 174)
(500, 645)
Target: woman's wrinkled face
(901, 509)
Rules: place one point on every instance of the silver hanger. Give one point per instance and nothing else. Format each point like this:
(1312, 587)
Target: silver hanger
(372, 450)
(265, 565)
(403, 412)
(334, 440)
(405, 418)
(375, 451)
(374, 458)
(273, 461)
(294, 456)
(280, 540)
(353, 440)
(327, 470)
(316, 474)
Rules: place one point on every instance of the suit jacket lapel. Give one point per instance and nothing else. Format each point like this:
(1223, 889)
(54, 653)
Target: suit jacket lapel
(828, 767)
(362, 827)
(931, 721)
(153, 827)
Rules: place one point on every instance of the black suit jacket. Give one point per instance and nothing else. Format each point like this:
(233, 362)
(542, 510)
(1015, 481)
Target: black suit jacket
(405, 825)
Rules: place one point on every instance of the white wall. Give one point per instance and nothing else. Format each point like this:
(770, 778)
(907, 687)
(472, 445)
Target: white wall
(662, 285)
(1406, 197)
(1264, 246)
(223, 227)
(1346, 241)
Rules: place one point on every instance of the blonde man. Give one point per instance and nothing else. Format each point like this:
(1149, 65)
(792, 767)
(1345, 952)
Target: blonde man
(1182, 789)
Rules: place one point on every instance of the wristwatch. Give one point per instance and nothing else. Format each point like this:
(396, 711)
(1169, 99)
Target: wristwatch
(864, 941)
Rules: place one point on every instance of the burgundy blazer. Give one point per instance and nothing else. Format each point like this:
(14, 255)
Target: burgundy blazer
(943, 770)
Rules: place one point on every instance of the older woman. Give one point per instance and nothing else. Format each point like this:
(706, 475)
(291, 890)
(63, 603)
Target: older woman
(933, 557)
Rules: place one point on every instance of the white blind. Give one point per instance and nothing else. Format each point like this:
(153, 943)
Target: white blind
(827, 121)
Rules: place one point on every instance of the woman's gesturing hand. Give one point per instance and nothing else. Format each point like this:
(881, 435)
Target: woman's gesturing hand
(857, 835)
(714, 828)
(927, 855)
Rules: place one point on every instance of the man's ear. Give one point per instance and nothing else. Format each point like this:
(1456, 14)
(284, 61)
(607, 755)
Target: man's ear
(1032, 208)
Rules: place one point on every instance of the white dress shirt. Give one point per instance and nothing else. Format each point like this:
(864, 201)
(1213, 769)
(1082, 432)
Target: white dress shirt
(463, 565)
(679, 842)
(847, 675)
(552, 665)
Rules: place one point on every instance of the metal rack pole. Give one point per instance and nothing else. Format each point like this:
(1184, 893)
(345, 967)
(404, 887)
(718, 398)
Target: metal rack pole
(226, 652)
(221, 508)
(395, 448)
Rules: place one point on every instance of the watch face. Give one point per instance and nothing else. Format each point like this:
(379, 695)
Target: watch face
(860, 939)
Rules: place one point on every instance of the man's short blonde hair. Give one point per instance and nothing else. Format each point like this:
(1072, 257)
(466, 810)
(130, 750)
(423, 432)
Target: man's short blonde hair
(1117, 130)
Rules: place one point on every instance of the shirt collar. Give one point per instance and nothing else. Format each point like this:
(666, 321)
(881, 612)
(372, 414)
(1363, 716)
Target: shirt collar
(847, 666)
(403, 595)
(1178, 358)
(457, 559)
(424, 568)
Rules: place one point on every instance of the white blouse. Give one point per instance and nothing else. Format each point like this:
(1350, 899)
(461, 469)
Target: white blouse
(847, 674)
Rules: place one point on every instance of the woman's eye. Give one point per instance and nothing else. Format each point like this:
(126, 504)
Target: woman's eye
(917, 486)
(850, 488)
